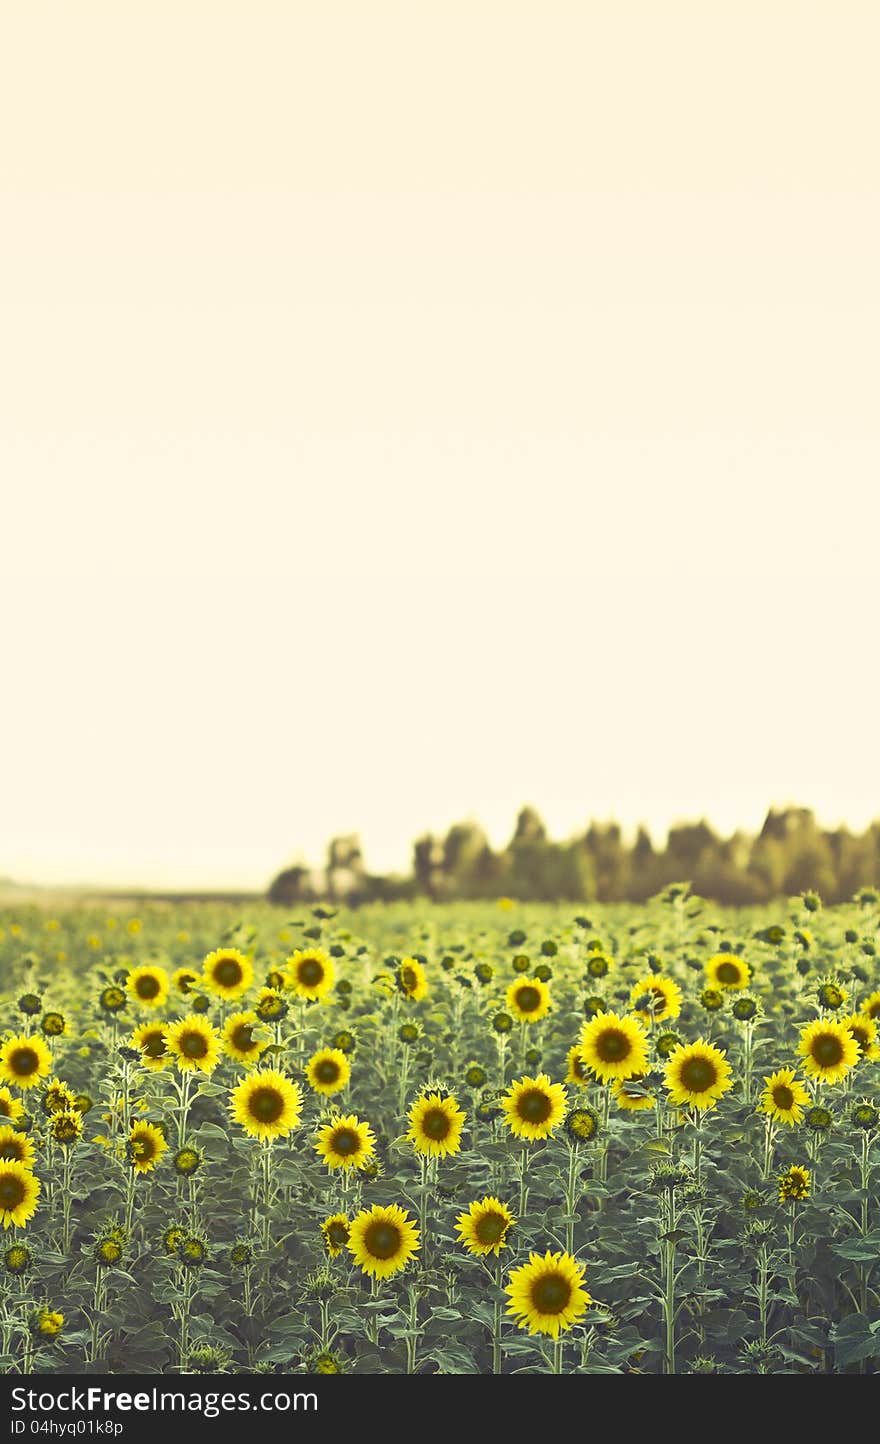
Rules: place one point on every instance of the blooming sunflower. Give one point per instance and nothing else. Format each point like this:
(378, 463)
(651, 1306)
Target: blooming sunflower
(382, 1240)
(149, 1038)
(328, 1071)
(783, 1097)
(266, 1104)
(485, 1226)
(24, 1061)
(696, 1075)
(19, 1191)
(528, 999)
(546, 1294)
(632, 1094)
(794, 1184)
(864, 1030)
(412, 980)
(227, 973)
(828, 1049)
(193, 1043)
(239, 1041)
(576, 1071)
(871, 1005)
(614, 1047)
(145, 1146)
(335, 1231)
(270, 1007)
(148, 985)
(15, 1147)
(534, 1107)
(10, 1107)
(346, 1143)
(435, 1125)
(66, 1126)
(656, 997)
(727, 970)
(310, 974)
(57, 1097)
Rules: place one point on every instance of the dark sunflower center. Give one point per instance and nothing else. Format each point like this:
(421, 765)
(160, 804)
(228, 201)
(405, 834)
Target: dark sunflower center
(728, 973)
(551, 1294)
(338, 1234)
(578, 1067)
(310, 972)
(243, 1038)
(529, 999)
(860, 1036)
(154, 1045)
(409, 980)
(534, 1106)
(143, 1147)
(12, 1193)
(24, 1061)
(827, 1050)
(194, 1045)
(698, 1075)
(5, 1108)
(12, 1151)
(147, 987)
(436, 1124)
(227, 972)
(327, 1071)
(783, 1096)
(490, 1227)
(345, 1142)
(266, 1105)
(874, 1009)
(382, 1239)
(613, 1045)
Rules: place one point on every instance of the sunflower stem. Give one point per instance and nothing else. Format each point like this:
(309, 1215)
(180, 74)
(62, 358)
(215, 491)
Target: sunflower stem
(570, 1198)
(496, 1318)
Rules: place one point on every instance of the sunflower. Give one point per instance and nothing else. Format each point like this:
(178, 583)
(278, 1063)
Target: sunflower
(335, 1231)
(148, 986)
(632, 1095)
(534, 1107)
(57, 1097)
(227, 973)
(66, 1126)
(112, 999)
(145, 1146)
(727, 970)
(346, 1143)
(185, 979)
(528, 999)
(871, 1005)
(656, 997)
(310, 974)
(193, 1043)
(784, 1097)
(149, 1038)
(382, 1240)
(15, 1147)
(10, 1107)
(485, 1226)
(328, 1071)
(582, 1124)
(238, 1038)
(828, 1049)
(267, 1105)
(794, 1184)
(435, 1125)
(24, 1061)
(270, 1007)
(614, 1047)
(19, 1191)
(546, 1296)
(864, 1030)
(412, 980)
(576, 1071)
(54, 1025)
(697, 1074)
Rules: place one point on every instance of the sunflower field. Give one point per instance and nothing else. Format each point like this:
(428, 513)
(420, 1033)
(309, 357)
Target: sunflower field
(459, 1138)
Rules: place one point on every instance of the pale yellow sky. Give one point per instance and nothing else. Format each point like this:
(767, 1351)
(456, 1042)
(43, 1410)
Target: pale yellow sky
(412, 410)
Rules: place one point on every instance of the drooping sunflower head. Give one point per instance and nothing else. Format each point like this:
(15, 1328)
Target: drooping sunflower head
(728, 970)
(346, 1142)
(582, 1124)
(412, 980)
(794, 1184)
(239, 1039)
(227, 973)
(66, 1126)
(328, 1071)
(528, 999)
(47, 1322)
(697, 1075)
(483, 1229)
(635, 1094)
(655, 997)
(57, 1097)
(334, 1231)
(145, 1146)
(266, 1104)
(19, 1191)
(149, 1039)
(10, 1107)
(15, 1147)
(24, 1061)
(864, 1030)
(783, 1097)
(828, 1049)
(614, 1047)
(435, 1125)
(310, 974)
(534, 1107)
(193, 1044)
(382, 1240)
(547, 1294)
(148, 986)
